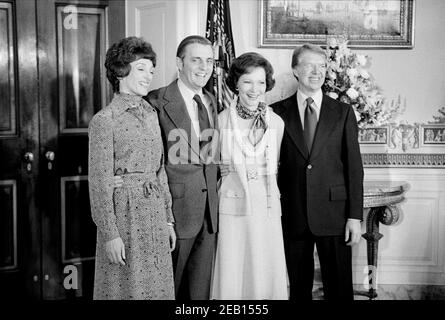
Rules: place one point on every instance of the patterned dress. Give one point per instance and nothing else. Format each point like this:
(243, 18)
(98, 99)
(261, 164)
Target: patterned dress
(125, 139)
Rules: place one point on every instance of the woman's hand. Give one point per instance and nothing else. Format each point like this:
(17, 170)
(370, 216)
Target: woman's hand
(172, 237)
(118, 181)
(224, 169)
(115, 250)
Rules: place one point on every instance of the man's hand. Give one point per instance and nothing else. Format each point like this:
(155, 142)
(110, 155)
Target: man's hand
(115, 250)
(353, 232)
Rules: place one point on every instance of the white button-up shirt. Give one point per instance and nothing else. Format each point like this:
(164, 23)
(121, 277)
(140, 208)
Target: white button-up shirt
(192, 106)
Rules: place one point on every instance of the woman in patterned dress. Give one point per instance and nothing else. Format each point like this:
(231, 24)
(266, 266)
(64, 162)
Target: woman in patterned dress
(135, 233)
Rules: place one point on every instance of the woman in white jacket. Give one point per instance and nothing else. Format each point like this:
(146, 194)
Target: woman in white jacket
(250, 261)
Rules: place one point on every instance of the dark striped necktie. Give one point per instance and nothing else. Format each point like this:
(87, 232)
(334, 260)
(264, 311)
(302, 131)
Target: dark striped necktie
(204, 122)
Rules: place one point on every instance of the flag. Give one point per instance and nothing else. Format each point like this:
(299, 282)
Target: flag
(219, 32)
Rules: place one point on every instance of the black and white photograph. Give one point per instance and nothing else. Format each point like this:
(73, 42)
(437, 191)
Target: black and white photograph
(222, 155)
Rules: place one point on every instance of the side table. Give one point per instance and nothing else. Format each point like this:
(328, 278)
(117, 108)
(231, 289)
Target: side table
(381, 199)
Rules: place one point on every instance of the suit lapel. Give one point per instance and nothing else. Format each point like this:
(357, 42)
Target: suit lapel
(177, 111)
(328, 118)
(293, 125)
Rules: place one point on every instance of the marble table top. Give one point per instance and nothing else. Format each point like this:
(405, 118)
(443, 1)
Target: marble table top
(382, 193)
(379, 187)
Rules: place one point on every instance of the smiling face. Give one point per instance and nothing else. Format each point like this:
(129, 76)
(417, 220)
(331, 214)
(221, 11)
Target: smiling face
(251, 87)
(196, 66)
(139, 78)
(310, 71)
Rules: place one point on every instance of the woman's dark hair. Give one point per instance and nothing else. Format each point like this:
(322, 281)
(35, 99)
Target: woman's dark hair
(244, 64)
(121, 54)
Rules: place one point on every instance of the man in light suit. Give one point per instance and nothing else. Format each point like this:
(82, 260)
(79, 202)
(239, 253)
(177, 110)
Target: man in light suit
(187, 113)
(321, 181)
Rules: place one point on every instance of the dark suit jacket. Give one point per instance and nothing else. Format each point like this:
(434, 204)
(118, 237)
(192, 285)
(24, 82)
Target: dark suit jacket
(190, 181)
(320, 190)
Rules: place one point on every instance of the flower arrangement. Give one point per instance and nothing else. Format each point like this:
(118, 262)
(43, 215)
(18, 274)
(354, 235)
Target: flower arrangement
(441, 117)
(348, 80)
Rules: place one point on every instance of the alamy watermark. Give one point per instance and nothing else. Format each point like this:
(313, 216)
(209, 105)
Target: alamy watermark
(219, 144)
(71, 280)
(71, 21)
(370, 279)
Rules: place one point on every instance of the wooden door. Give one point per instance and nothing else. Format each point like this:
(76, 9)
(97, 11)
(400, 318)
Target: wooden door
(52, 81)
(19, 215)
(73, 39)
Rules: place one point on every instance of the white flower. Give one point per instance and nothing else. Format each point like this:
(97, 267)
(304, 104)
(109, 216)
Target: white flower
(332, 75)
(352, 93)
(333, 95)
(332, 42)
(352, 72)
(335, 66)
(349, 81)
(364, 73)
(361, 59)
(343, 48)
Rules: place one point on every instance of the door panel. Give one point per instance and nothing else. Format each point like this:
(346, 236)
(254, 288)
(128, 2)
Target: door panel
(8, 225)
(7, 73)
(77, 231)
(81, 79)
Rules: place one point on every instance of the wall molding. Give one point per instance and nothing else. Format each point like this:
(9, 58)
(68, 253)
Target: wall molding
(403, 160)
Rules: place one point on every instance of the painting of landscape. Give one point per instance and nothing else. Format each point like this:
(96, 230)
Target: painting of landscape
(366, 22)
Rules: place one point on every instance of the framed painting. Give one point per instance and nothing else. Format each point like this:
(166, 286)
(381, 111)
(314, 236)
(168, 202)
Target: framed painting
(371, 24)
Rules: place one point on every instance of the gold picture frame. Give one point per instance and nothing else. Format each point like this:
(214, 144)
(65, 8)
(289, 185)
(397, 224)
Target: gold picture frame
(372, 24)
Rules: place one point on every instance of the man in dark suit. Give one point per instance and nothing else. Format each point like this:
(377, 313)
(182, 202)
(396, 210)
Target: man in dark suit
(321, 181)
(187, 116)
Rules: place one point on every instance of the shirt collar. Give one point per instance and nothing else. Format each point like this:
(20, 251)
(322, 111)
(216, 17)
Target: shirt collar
(126, 101)
(186, 92)
(317, 97)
